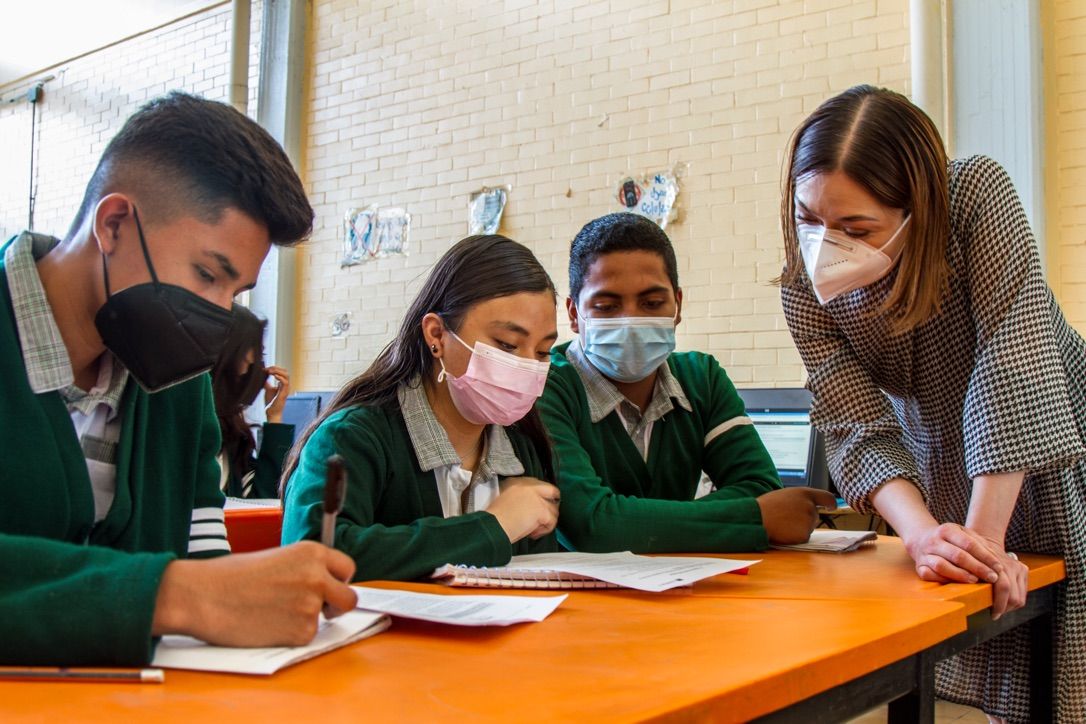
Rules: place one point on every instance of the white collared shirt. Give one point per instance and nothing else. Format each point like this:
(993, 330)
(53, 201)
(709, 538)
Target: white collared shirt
(453, 480)
(461, 491)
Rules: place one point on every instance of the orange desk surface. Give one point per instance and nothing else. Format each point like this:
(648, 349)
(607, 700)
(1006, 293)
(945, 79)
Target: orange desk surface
(615, 655)
(882, 570)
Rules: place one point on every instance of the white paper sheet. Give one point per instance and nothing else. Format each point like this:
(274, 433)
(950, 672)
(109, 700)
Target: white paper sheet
(458, 610)
(248, 503)
(185, 652)
(625, 569)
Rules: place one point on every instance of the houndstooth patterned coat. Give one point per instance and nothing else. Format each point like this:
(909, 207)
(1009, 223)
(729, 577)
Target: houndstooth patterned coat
(995, 383)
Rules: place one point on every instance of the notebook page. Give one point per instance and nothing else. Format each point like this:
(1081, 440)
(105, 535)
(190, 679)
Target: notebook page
(458, 610)
(185, 652)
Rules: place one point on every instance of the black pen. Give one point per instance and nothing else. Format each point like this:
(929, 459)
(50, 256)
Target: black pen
(335, 489)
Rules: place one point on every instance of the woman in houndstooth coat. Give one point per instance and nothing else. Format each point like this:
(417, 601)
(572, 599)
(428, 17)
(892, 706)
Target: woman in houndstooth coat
(949, 386)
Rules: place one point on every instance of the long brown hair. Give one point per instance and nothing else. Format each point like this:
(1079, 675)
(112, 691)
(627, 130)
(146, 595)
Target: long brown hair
(234, 391)
(474, 270)
(883, 142)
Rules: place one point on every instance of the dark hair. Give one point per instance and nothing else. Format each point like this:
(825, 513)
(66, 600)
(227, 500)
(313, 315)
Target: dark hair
(199, 157)
(234, 391)
(622, 231)
(474, 270)
(883, 142)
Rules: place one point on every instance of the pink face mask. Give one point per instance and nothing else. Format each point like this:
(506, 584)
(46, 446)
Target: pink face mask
(498, 388)
(838, 265)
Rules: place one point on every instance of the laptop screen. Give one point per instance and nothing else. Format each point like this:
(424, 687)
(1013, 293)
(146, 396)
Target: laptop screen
(787, 437)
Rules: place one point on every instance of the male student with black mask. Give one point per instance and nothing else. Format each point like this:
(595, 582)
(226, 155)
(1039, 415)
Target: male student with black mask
(111, 526)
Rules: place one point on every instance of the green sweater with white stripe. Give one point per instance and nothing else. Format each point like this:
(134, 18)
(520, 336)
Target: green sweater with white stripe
(73, 592)
(392, 523)
(613, 500)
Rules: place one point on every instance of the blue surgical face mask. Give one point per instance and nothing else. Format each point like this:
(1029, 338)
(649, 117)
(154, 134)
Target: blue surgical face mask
(627, 349)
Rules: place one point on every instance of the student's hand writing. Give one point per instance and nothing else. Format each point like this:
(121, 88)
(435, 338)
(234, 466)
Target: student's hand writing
(269, 598)
(790, 514)
(526, 508)
(275, 395)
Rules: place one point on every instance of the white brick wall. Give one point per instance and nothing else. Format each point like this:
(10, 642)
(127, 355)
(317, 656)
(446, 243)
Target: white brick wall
(1066, 155)
(88, 101)
(421, 103)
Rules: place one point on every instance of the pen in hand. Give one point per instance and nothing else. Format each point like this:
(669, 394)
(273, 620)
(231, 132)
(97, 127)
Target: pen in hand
(335, 489)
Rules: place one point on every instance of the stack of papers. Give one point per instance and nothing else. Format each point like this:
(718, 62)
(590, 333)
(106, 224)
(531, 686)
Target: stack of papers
(834, 541)
(592, 570)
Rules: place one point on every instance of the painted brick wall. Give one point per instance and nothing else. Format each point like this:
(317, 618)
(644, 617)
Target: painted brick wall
(89, 100)
(1066, 157)
(420, 103)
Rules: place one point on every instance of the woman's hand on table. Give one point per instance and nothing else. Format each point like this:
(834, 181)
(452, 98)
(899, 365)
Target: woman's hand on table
(1009, 592)
(948, 552)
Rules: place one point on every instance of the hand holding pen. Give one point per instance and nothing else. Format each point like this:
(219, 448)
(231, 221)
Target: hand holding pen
(335, 490)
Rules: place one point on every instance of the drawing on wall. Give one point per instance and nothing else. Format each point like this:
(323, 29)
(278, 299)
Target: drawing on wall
(485, 209)
(374, 232)
(652, 195)
(341, 324)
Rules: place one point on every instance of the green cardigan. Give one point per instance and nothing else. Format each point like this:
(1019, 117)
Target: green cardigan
(266, 465)
(612, 500)
(72, 592)
(392, 523)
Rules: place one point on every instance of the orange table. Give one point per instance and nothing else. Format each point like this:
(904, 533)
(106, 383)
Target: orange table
(882, 570)
(802, 633)
(613, 655)
(885, 571)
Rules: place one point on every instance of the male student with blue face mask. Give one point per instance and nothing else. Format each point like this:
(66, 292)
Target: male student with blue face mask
(634, 424)
(111, 520)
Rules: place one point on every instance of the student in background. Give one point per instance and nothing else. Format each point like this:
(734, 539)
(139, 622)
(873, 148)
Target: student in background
(111, 495)
(949, 386)
(237, 379)
(446, 458)
(635, 424)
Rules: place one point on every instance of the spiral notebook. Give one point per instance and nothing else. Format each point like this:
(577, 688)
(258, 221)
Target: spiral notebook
(591, 570)
(504, 577)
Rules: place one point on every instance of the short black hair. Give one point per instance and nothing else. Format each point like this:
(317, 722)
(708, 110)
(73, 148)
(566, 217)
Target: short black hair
(622, 231)
(187, 155)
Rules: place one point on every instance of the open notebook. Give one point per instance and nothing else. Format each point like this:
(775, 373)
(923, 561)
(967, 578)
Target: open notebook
(185, 652)
(591, 570)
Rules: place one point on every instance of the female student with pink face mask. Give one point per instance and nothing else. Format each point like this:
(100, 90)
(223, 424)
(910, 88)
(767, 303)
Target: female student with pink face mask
(446, 458)
(949, 386)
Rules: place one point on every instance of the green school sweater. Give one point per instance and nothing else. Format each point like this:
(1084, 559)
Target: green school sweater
(72, 592)
(392, 522)
(612, 500)
(267, 465)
